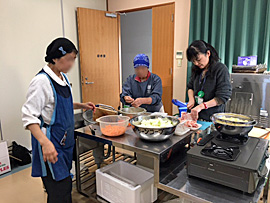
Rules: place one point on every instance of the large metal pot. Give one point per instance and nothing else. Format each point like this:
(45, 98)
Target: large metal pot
(130, 112)
(225, 126)
(153, 134)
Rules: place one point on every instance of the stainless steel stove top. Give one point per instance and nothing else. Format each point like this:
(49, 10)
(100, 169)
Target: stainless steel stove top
(242, 171)
(250, 156)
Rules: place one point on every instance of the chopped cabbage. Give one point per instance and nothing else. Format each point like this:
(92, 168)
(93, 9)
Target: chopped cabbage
(157, 122)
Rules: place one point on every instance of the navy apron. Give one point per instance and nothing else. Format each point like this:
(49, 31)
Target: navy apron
(60, 132)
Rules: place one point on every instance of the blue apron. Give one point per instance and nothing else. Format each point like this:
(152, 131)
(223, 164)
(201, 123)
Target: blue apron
(60, 132)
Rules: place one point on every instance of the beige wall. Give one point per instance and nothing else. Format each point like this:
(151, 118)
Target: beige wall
(182, 10)
(27, 27)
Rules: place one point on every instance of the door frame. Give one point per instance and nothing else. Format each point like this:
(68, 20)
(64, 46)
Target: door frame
(144, 8)
(141, 9)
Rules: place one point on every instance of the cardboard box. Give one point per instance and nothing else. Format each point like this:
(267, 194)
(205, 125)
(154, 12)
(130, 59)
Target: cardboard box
(4, 158)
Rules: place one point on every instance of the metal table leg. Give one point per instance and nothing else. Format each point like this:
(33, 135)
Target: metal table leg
(266, 188)
(78, 169)
(113, 153)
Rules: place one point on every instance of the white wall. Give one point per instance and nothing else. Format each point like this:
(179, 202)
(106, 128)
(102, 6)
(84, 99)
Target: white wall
(136, 38)
(27, 27)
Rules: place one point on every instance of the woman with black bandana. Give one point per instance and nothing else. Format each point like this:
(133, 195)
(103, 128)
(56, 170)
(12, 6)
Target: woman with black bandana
(48, 114)
(209, 87)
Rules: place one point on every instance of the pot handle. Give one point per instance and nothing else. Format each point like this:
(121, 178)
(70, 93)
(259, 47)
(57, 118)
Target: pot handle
(106, 107)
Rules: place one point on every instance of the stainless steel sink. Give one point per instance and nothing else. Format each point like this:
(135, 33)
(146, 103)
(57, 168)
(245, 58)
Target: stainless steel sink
(78, 121)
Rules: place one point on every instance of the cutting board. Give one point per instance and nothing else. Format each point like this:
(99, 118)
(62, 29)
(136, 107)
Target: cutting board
(103, 112)
(258, 132)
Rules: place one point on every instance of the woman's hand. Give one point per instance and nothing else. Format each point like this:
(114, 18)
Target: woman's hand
(137, 103)
(48, 149)
(89, 105)
(86, 106)
(49, 152)
(128, 99)
(195, 112)
(191, 104)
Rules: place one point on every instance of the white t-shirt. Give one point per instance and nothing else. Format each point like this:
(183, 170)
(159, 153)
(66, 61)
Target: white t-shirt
(40, 98)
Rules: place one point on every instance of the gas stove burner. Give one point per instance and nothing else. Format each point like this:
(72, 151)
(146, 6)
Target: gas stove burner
(220, 152)
(239, 166)
(241, 139)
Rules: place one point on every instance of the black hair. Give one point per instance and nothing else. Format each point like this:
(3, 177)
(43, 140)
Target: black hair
(59, 48)
(201, 47)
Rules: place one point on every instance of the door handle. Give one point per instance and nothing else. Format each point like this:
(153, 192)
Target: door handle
(89, 83)
(171, 71)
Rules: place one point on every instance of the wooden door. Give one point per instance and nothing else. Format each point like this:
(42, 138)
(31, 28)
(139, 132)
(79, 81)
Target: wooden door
(99, 56)
(163, 49)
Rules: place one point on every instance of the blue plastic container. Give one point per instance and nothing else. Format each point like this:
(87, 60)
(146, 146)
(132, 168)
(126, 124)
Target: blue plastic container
(181, 106)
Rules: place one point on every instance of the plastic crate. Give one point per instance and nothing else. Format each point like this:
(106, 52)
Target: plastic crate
(122, 182)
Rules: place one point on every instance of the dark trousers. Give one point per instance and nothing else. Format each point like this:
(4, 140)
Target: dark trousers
(58, 191)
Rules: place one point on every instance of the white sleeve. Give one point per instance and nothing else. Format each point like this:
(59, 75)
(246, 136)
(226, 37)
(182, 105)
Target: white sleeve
(38, 96)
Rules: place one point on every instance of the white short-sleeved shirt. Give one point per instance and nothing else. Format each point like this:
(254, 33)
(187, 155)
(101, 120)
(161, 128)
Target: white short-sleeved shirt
(40, 98)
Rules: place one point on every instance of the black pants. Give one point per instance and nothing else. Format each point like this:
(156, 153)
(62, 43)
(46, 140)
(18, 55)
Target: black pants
(58, 191)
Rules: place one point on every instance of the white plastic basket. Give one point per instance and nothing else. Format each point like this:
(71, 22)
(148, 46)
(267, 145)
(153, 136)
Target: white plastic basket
(122, 182)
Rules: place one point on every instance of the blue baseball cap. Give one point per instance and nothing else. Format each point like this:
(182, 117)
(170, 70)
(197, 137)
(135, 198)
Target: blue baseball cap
(141, 60)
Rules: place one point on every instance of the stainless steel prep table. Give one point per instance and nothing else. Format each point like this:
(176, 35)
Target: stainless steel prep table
(170, 177)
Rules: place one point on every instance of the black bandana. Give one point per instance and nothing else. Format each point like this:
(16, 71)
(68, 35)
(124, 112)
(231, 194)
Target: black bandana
(59, 48)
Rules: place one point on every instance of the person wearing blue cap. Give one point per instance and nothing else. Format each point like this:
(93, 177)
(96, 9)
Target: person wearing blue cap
(143, 89)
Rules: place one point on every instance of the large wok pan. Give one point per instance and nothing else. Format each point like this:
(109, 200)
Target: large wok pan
(233, 124)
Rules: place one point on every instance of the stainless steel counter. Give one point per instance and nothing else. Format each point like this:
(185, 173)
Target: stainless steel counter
(212, 192)
(130, 141)
(177, 181)
(171, 175)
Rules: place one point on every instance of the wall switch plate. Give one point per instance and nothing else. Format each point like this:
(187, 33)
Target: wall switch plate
(179, 63)
(179, 55)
